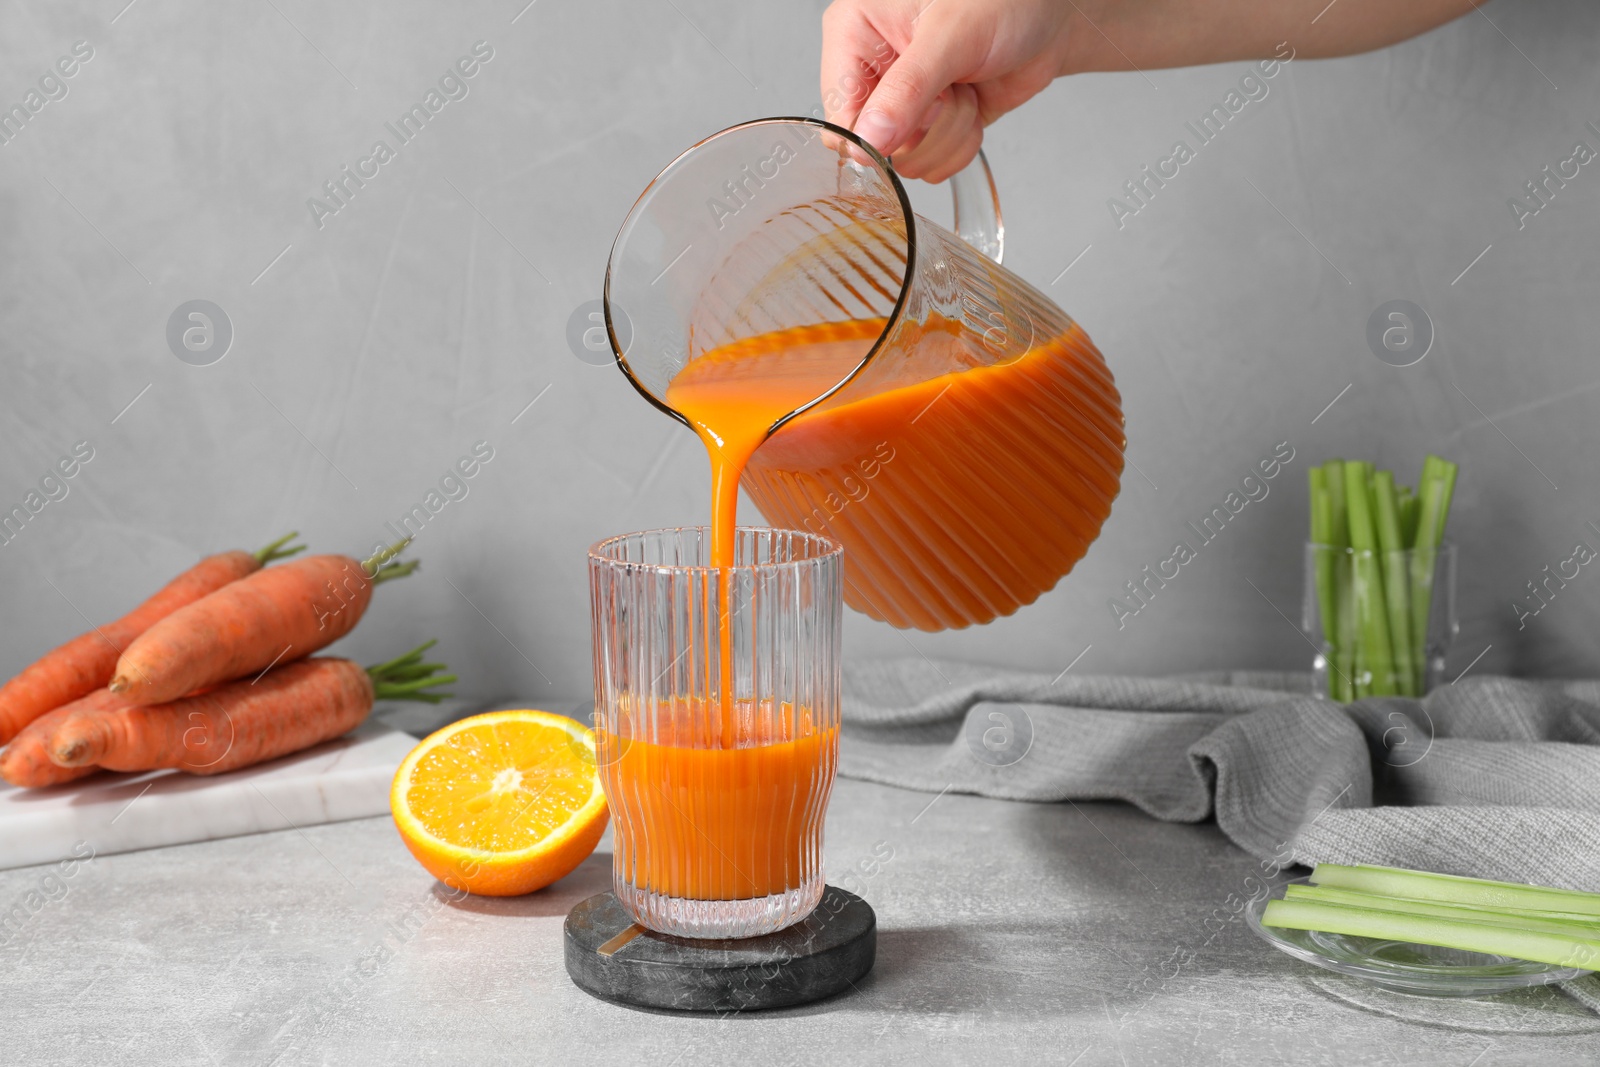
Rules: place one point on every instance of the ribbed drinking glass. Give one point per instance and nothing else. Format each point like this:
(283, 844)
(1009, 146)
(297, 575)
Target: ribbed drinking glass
(717, 724)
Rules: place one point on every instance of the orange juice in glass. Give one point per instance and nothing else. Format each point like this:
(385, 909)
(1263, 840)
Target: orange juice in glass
(717, 724)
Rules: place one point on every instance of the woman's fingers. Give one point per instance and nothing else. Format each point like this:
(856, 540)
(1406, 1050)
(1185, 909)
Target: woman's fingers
(940, 51)
(951, 141)
(854, 56)
(929, 119)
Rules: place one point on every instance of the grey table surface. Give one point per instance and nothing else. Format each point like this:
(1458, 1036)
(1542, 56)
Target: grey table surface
(1083, 934)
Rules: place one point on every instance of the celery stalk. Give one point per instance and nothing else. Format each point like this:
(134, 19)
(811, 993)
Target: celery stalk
(1408, 515)
(1410, 512)
(1561, 950)
(1447, 477)
(1343, 636)
(1454, 889)
(1338, 519)
(1376, 678)
(1318, 482)
(1322, 566)
(1396, 585)
(1432, 493)
(1549, 921)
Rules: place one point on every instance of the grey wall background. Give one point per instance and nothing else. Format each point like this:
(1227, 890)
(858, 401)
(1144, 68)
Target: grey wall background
(371, 354)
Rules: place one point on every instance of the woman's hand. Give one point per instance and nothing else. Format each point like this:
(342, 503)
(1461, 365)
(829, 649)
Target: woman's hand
(921, 80)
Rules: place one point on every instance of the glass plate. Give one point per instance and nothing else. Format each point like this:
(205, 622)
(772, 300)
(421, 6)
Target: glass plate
(1404, 967)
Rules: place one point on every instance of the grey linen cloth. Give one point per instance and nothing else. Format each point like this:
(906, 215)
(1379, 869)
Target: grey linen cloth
(1490, 777)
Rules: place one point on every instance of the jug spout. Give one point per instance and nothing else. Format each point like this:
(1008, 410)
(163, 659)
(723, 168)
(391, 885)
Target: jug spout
(916, 401)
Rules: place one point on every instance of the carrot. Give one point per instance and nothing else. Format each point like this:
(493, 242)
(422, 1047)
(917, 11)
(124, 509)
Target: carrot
(26, 760)
(245, 722)
(87, 662)
(273, 616)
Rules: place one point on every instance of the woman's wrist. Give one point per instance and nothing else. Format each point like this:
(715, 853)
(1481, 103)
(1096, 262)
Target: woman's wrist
(1085, 41)
(1123, 35)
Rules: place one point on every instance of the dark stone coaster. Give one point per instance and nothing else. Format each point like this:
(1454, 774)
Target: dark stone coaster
(825, 954)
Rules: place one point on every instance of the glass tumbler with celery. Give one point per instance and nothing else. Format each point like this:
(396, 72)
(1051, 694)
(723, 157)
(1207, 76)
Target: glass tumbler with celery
(1380, 579)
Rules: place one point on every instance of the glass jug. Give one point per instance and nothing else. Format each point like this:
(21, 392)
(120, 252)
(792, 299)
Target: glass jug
(958, 434)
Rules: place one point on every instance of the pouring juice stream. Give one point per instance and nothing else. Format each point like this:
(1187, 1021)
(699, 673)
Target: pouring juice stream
(731, 397)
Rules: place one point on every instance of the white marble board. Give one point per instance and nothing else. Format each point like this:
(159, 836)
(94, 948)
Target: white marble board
(347, 778)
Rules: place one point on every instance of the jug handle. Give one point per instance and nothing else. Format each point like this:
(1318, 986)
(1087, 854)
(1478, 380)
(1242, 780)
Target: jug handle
(977, 218)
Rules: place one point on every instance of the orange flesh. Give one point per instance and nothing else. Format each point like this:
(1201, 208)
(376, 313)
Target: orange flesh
(499, 789)
(719, 823)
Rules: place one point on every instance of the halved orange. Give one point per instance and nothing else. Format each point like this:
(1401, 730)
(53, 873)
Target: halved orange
(502, 803)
